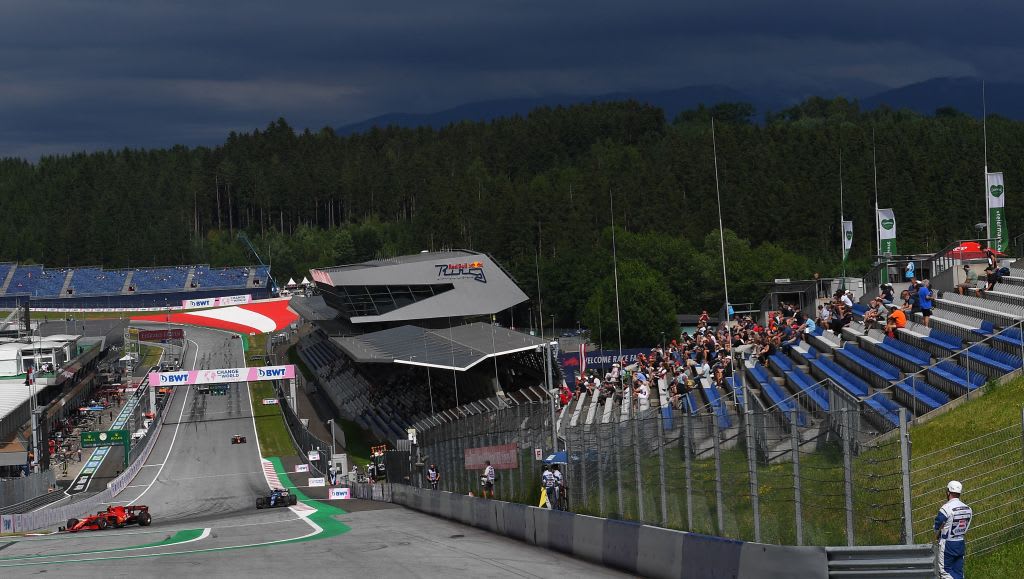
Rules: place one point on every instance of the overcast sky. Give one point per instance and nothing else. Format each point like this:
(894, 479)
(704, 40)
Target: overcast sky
(89, 74)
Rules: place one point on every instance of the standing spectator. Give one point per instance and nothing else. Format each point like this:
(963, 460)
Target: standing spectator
(487, 480)
(924, 300)
(970, 281)
(79, 454)
(433, 476)
(559, 487)
(550, 484)
(951, 526)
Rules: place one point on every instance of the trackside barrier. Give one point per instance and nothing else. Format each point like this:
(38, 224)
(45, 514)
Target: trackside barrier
(57, 516)
(875, 562)
(632, 547)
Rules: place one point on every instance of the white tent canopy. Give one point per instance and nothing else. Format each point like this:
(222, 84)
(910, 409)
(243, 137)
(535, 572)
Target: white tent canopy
(291, 282)
(305, 281)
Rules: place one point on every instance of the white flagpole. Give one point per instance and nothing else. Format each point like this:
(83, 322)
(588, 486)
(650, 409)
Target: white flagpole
(842, 218)
(725, 277)
(984, 140)
(874, 169)
(615, 269)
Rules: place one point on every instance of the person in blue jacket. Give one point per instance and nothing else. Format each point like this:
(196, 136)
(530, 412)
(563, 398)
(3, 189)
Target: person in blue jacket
(951, 526)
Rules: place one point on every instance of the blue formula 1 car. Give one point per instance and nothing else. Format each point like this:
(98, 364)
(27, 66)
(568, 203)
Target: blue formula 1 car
(277, 498)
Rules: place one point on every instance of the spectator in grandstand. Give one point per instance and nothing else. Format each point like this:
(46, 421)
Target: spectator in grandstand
(991, 278)
(487, 480)
(824, 314)
(951, 525)
(842, 318)
(875, 315)
(969, 283)
(991, 258)
(897, 319)
(885, 293)
(924, 299)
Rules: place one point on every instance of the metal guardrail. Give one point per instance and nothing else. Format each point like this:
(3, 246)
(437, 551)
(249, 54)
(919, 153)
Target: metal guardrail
(881, 561)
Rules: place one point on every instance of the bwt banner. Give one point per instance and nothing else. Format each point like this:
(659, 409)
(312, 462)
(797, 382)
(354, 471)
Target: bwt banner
(598, 359)
(503, 456)
(223, 375)
(216, 302)
(339, 493)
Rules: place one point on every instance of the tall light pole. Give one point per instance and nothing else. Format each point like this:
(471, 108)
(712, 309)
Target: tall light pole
(549, 384)
(331, 422)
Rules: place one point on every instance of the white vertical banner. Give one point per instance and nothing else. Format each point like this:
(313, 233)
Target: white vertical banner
(995, 201)
(847, 237)
(887, 230)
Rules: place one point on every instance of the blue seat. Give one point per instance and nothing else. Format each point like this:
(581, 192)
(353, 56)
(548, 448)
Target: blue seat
(886, 410)
(859, 310)
(873, 363)
(737, 390)
(993, 358)
(846, 379)
(944, 340)
(905, 351)
(782, 363)
(814, 391)
(1010, 337)
(783, 402)
(958, 377)
(913, 390)
(987, 328)
(721, 412)
(691, 403)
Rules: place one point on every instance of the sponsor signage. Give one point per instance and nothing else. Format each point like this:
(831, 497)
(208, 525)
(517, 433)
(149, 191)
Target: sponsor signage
(223, 375)
(313, 455)
(302, 468)
(502, 456)
(598, 359)
(161, 335)
(472, 270)
(538, 454)
(93, 439)
(269, 401)
(316, 481)
(339, 493)
(216, 302)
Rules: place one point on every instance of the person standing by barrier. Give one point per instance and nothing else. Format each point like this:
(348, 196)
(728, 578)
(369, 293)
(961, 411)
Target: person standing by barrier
(433, 476)
(487, 481)
(550, 484)
(951, 526)
(559, 487)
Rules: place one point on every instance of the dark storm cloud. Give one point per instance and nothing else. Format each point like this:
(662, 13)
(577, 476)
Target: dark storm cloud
(102, 73)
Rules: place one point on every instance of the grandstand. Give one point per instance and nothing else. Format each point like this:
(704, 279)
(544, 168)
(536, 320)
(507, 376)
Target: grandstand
(398, 340)
(95, 287)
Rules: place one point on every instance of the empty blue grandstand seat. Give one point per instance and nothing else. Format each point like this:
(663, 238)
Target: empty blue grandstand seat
(905, 351)
(873, 363)
(783, 402)
(1010, 337)
(814, 391)
(228, 277)
(96, 281)
(692, 406)
(886, 410)
(781, 362)
(958, 376)
(944, 340)
(859, 310)
(993, 358)
(718, 405)
(846, 379)
(915, 393)
(987, 328)
(160, 278)
(737, 390)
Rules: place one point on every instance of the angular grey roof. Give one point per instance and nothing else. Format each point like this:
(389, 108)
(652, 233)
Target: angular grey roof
(459, 348)
(479, 286)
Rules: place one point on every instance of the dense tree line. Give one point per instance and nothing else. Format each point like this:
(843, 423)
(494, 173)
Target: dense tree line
(536, 192)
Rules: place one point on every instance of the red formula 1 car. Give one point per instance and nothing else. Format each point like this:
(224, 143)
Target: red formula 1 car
(112, 517)
(238, 439)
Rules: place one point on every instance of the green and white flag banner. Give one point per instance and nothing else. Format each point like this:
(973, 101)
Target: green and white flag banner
(995, 200)
(887, 231)
(847, 237)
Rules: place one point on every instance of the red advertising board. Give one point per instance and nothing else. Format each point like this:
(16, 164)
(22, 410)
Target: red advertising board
(503, 456)
(160, 335)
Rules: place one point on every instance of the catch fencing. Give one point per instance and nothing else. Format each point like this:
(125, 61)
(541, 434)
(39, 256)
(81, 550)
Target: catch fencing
(834, 480)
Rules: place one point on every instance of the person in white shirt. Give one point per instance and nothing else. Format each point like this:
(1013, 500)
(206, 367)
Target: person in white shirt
(487, 481)
(951, 526)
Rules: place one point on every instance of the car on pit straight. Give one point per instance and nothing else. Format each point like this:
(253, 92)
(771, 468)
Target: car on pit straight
(115, 516)
(238, 439)
(277, 498)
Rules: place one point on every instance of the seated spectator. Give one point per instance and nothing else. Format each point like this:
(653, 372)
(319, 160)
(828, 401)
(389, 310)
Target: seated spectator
(969, 283)
(843, 318)
(875, 315)
(897, 319)
(885, 293)
(992, 278)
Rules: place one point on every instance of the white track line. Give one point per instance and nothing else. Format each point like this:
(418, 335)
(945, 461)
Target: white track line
(184, 404)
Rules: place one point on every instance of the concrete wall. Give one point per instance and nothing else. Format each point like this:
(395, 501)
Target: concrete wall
(629, 546)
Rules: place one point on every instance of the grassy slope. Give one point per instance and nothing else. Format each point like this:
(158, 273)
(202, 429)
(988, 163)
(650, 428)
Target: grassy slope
(270, 425)
(149, 356)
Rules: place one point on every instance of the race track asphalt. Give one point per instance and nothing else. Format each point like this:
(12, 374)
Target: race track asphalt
(201, 490)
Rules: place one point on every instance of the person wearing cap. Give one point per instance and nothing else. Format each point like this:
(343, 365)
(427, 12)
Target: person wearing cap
(951, 526)
(970, 281)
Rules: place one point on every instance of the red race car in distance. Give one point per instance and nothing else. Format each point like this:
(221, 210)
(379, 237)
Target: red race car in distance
(238, 439)
(114, 516)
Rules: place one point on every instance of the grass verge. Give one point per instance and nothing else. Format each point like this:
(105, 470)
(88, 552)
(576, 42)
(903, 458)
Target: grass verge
(149, 356)
(270, 425)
